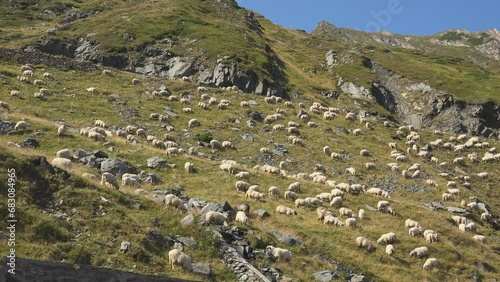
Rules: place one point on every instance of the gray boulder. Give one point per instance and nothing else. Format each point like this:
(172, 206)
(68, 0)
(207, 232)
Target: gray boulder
(156, 162)
(325, 276)
(116, 166)
(287, 239)
(202, 269)
(187, 220)
(6, 126)
(261, 214)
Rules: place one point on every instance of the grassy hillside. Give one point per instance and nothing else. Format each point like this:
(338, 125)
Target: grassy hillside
(119, 103)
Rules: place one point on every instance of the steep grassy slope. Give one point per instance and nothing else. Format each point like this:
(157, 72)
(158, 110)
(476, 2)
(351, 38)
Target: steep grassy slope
(119, 103)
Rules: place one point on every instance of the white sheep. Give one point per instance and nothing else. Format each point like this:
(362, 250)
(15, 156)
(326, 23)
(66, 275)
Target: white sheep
(189, 167)
(345, 211)
(430, 263)
(324, 196)
(215, 217)
(21, 125)
(336, 202)
(243, 175)
(177, 257)
(274, 191)
(254, 195)
(290, 195)
(420, 252)
(415, 231)
(381, 205)
(351, 170)
(193, 122)
(109, 180)
(279, 253)
(330, 219)
(387, 238)
(61, 163)
(364, 153)
(411, 223)
(129, 181)
(295, 187)
(479, 238)
(4, 105)
(365, 243)
(241, 217)
(389, 249)
(61, 130)
(431, 236)
(302, 203)
(350, 222)
(241, 186)
(285, 210)
(486, 216)
(447, 197)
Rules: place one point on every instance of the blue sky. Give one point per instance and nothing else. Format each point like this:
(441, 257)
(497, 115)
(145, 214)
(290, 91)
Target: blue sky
(419, 17)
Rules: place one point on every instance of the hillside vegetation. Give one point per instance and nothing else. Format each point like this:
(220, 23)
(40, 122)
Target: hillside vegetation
(64, 216)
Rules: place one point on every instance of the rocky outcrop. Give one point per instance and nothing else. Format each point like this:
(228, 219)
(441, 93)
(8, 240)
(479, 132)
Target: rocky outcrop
(421, 105)
(34, 270)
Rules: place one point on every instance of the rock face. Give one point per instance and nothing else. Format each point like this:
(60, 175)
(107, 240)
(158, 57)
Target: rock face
(116, 166)
(421, 105)
(33, 270)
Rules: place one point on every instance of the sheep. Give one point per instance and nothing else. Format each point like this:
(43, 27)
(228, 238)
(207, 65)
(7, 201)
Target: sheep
(302, 203)
(109, 179)
(365, 243)
(279, 253)
(254, 188)
(281, 209)
(420, 252)
(471, 226)
(356, 132)
(254, 195)
(189, 167)
(215, 217)
(351, 170)
(290, 195)
(431, 182)
(381, 205)
(136, 81)
(129, 181)
(177, 257)
(241, 186)
(485, 216)
(64, 153)
(447, 197)
(345, 211)
(430, 236)
(61, 163)
(461, 227)
(15, 93)
(350, 222)
(21, 126)
(411, 223)
(479, 238)
(430, 263)
(295, 187)
(415, 231)
(241, 217)
(324, 196)
(482, 175)
(274, 191)
(332, 220)
(459, 219)
(322, 212)
(314, 201)
(362, 214)
(193, 122)
(454, 192)
(243, 175)
(229, 167)
(336, 192)
(336, 202)
(28, 73)
(173, 151)
(364, 153)
(38, 82)
(389, 249)
(387, 238)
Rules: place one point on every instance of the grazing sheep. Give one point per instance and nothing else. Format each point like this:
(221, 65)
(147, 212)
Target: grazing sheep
(365, 243)
(215, 217)
(345, 211)
(229, 167)
(362, 214)
(459, 219)
(350, 222)
(241, 186)
(336, 202)
(479, 238)
(430, 236)
(109, 179)
(4, 105)
(485, 216)
(295, 187)
(129, 181)
(281, 209)
(471, 226)
(61, 130)
(21, 126)
(241, 217)
(430, 263)
(381, 205)
(243, 175)
(389, 249)
(64, 153)
(364, 153)
(189, 167)
(420, 252)
(279, 253)
(302, 203)
(173, 151)
(447, 197)
(324, 196)
(193, 122)
(273, 191)
(411, 223)
(61, 163)
(351, 170)
(15, 93)
(254, 195)
(290, 195)
(177, 257)
(387, 238)
(330, 219)
(415, 231)
(136, 81)
(431, 182)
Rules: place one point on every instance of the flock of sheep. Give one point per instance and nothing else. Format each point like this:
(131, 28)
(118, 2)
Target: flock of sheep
(295, 194)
